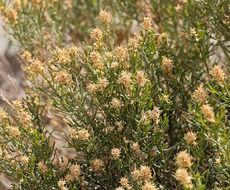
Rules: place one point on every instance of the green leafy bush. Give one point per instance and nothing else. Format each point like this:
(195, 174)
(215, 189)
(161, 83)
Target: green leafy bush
(150, 111)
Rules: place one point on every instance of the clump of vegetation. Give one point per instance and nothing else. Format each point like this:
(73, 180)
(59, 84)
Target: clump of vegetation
(147, 111)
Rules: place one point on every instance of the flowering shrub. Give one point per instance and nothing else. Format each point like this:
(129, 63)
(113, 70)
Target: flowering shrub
(149, 113)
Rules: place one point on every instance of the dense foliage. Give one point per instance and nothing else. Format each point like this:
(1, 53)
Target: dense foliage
(143, 103)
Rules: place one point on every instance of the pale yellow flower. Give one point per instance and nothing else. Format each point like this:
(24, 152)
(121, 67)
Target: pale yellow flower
(218, 161)
(97, 164)
(75, 171)
(115, 152)
(96, 34)
(193, 32)
(72, 133)
(136, 147)
(183, 159)
(147, 24)
(17, 4)
(96, 58)
(218, 74)
(3, 115)
(120, 188)
(12, 15)
(64, 163)
(155, 114)
(102, 84)
(68, 4)
(145, 172)
(178, 8)
(199, 95)
(62, 56)
(105, 17)
(135, 174)
(36, 66)
(191, 137)
(27, 56)
(149, 186)
(25, 118)
(14, 132)
(91, 88)
(61, 184)
(208, 113)
(121, 53)
(141, 79)
(133, 43)
(115, 103)
(125, 78)
(63, 77)
(120, 125)
(42, 167)
(73, 50)
(125, 182)
(83, 134)
(24, 159)
(69, 178)
(167, 64)
(17, 105)
(183, 177)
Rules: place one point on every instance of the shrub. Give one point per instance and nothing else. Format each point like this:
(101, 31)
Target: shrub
(151, 112)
